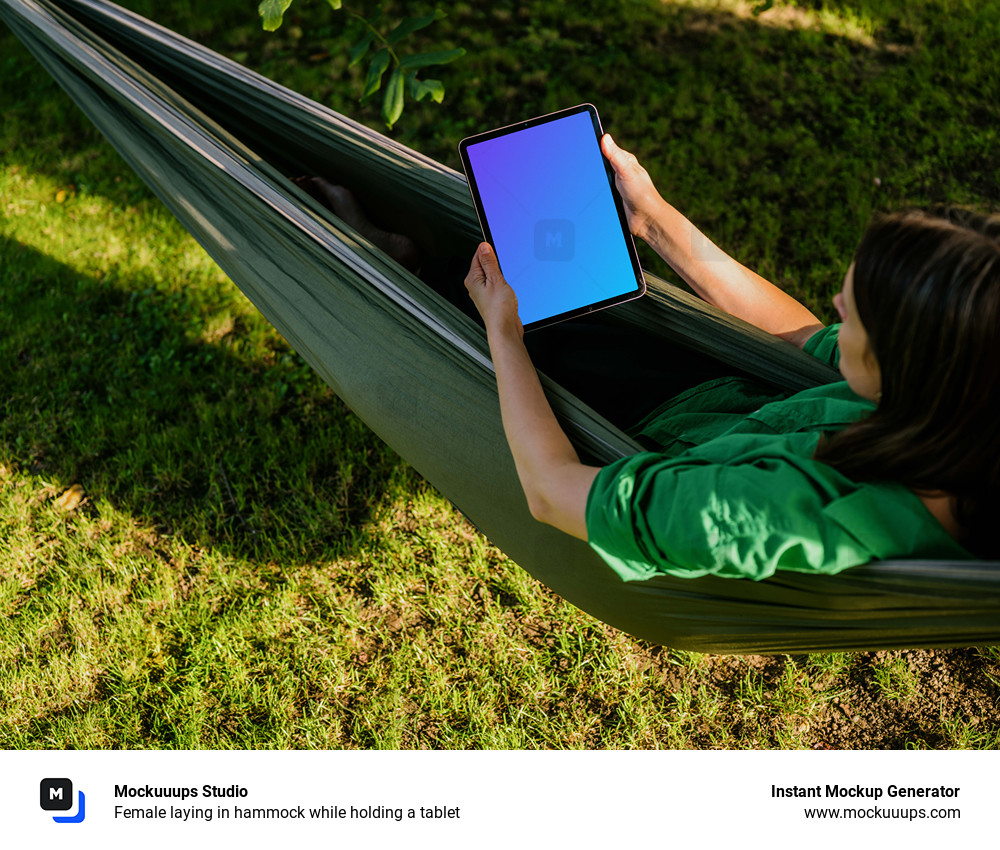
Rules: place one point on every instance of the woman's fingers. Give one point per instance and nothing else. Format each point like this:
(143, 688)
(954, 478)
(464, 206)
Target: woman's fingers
(488, 261)
(626, 166)
(477, 274)
(620, 160)
(484, 268)
(635, 186)
(491, 294)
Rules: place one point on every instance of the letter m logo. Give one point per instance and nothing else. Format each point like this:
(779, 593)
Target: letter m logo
(56, 795)
(554, 240)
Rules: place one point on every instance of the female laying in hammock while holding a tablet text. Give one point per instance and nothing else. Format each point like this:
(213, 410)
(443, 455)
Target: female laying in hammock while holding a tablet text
(901, 459)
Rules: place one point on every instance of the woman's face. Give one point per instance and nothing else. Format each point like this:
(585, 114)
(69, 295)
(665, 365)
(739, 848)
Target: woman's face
(857, 363)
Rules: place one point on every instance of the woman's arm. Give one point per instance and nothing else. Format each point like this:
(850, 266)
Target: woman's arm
(710, 272)
(555, 482)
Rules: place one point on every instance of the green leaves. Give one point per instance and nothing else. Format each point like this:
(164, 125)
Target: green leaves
(422, 60)
(361, 48)
(392, 103)
(419, 89)
(272, 11)
(410, 25)
(387, 57)
(402, 78)
(377, 68)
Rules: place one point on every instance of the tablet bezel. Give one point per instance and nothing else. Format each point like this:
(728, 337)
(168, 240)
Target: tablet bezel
(511, 129)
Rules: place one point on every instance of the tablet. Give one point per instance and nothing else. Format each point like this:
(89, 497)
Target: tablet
(547, 203)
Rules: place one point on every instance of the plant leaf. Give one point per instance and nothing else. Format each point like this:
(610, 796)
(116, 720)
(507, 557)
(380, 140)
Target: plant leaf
(380, 61)
(419, 89)
(762, 7)
(272, 11)
(413, 84)
(438, 57)
(361, 48)
(334, 4)
(392, 103)
(408, 25)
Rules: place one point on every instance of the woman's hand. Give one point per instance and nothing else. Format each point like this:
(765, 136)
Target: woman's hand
(642, 201)
(492, 295)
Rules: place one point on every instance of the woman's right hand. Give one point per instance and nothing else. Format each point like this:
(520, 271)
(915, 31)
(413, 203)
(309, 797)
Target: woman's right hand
(639, 196)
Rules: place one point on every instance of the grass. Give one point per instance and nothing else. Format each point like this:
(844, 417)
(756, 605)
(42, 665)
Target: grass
(249, 566)
(896, 680)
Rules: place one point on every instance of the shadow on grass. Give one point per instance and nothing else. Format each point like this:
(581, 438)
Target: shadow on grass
(779, 137)
(199, 432)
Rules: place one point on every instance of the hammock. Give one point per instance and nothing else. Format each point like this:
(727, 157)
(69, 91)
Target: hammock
(217, 143)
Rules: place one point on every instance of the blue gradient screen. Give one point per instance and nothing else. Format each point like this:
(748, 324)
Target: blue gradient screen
(552, 217)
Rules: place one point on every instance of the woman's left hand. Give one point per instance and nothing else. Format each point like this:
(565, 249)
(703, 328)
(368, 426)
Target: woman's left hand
(492, 295)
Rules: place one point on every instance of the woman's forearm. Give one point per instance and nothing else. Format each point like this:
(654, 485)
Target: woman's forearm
(724, 282)
(712, 273)
(555, 482)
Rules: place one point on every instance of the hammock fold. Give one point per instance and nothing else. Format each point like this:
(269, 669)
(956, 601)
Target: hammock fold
(217, 143)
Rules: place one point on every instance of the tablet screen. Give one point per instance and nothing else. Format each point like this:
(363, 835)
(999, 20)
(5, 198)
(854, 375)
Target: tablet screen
(546, 202)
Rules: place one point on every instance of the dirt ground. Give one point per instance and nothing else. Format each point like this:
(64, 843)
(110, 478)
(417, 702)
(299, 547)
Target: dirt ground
(894, 700)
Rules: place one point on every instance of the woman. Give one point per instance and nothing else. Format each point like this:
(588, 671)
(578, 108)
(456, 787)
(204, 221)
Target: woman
(900, 460)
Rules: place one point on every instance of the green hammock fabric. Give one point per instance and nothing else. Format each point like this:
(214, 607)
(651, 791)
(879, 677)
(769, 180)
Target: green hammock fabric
(217, 142)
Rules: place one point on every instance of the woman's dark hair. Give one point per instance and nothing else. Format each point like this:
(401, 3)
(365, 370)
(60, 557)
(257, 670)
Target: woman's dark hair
(927, 289)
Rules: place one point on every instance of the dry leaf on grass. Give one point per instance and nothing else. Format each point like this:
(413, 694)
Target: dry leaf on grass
(71, 498)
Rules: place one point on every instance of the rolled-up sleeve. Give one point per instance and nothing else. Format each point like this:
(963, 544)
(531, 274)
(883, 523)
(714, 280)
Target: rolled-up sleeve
(823, 345)
(690, 517)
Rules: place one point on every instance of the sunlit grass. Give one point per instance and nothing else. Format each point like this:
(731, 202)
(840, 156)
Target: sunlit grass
(791, 16)
(249, 566)
(895, 680)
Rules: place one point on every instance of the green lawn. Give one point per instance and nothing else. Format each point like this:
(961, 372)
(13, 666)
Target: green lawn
(250, 567)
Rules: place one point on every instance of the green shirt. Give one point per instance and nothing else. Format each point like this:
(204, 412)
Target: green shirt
(734, 491)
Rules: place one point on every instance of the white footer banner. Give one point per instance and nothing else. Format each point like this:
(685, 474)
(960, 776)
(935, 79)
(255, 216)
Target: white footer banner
(79, 799)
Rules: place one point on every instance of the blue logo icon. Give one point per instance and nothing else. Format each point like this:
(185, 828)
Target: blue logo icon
(554, 240)
(57, 795)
